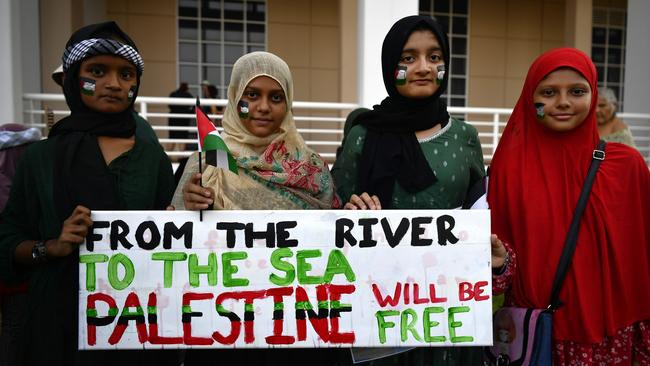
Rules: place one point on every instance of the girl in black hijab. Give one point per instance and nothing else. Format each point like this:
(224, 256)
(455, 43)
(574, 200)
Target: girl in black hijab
(407, 152)
(95, 159)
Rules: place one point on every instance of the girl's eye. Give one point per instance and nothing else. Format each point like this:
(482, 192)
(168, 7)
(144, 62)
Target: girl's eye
(548, 92)
(578, 92)
(277, 98)
(251, 94)
(127, 74)
(407, 59)
(436, 58)
(96, 71)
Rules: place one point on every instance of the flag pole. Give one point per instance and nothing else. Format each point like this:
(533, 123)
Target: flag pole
(198, 106)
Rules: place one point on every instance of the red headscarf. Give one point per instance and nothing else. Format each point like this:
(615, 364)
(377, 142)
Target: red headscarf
(535, 179)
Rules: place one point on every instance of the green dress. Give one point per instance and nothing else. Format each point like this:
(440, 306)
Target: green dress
(144, 182)
(455, 156)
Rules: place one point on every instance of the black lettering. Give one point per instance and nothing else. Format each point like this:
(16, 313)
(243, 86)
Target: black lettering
(119, 231)
(154, 239)
(444, 232)
(343, 232)
(268, 235)
(230, 228)
(394, 238)
(185, 232)
(283, 235)
(417, 230)
(367, 240)
(91, 238)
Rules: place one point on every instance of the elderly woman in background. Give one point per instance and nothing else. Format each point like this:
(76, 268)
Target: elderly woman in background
(610, 127)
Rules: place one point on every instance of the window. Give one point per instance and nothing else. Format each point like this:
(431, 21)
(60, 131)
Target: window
(213, 34)
(608, 48)
(453, 15)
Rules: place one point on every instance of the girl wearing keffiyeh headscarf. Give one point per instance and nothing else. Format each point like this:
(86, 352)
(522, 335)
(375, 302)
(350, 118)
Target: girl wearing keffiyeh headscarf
(94, 159)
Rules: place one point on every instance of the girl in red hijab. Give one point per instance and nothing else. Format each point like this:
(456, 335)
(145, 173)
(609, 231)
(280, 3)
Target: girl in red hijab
(536, 177)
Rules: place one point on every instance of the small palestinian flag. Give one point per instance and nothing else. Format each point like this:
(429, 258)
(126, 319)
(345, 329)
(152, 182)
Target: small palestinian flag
(210, 142)
(400, 75)
(87, 86)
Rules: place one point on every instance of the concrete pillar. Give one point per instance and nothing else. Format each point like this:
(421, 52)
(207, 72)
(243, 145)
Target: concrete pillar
(578, 20)
(375, 19)
(11, 88)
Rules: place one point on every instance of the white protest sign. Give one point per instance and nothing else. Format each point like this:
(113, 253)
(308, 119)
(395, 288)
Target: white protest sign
(260, 279)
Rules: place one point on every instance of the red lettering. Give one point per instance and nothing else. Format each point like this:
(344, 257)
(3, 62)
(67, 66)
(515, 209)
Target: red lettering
(416, 295)
(388, 300)
(278, 316)
(465, 292)
(335, 292)
(318, 320)
(479, 288)
(154, 338)
(131, 301)
(432, 295)
(92, 324)
(188, 338)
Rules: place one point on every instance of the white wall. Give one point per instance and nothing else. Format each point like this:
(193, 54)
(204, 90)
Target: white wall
(375, 19)
(637, 57)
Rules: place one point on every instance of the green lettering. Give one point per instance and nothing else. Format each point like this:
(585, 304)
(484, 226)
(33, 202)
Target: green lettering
(428, 324)
(230, 269)
(169, 258)
(304, 267)
(338, 264)
(453, 324)
(194, 270)
(129, 271)
(382, 324)
(409, 326)
(286, 267)
(90, 260)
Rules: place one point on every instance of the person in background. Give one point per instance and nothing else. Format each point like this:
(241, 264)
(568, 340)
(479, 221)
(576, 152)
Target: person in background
(94, 159)
(610, 127)
(14, 139)
(536, 177)
(181, 92)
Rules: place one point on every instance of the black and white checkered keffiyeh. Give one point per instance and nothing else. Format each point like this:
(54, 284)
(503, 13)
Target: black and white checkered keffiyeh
(100, 46)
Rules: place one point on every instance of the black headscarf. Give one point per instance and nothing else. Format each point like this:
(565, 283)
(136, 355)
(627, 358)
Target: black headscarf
(81, 176)
(391, 151)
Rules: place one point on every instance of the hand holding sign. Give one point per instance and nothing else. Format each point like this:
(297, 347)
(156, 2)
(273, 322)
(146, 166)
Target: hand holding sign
(73, 233)
(363, 202)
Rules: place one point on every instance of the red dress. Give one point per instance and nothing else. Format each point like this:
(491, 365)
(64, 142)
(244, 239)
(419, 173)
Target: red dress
(536, 177)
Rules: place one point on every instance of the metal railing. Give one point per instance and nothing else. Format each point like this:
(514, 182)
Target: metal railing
(321, 124)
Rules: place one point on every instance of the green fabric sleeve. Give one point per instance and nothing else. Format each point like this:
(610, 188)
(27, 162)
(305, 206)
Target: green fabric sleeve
(345, 169)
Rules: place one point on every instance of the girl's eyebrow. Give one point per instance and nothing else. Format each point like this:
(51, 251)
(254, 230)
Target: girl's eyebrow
(432, 49)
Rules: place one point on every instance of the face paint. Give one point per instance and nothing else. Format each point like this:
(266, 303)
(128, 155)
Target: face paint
(400, 75)
(242, 108)
(539, 109)
(441, 74)
(131, 92)
(87, 86)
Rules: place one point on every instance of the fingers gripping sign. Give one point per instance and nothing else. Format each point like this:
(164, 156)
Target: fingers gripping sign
(73, 233)
(363, 202)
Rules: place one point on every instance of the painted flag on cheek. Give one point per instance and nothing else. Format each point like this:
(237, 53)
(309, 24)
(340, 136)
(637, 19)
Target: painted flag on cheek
(210, 142)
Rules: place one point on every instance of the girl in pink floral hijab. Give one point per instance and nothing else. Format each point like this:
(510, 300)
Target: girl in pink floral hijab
(276, 168)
